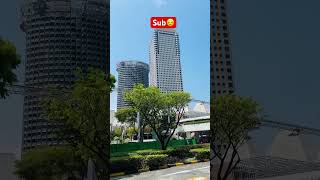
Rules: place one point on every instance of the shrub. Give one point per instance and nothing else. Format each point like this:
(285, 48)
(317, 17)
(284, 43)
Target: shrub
(156, 161)
(180, 152)
(119, 164)
(201, 153)
(138, 161)
(172, 160)
(127, 164)
(198, 146)
(150, 152)
(134, 163)
(206, 146)
(153, 159)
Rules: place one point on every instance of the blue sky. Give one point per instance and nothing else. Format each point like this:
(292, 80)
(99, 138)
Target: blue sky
(131, 35)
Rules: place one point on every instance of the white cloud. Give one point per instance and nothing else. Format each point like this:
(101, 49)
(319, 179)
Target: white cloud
(160, 3)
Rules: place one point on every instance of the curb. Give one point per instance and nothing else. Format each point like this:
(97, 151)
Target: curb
(179, 164)
(194, 161)
(117, 174)
(161, 167)
(142, 170)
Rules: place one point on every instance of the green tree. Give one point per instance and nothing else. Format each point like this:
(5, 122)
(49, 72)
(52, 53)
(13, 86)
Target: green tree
(130, 131)
(147, 129)
(9, 61)
(232, 117)
(51, 163)
(116, 132)
(84, 116)
(129, 116)
(161, 111)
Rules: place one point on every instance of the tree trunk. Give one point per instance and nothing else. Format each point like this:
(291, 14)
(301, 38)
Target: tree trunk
(141, 133)
(163, 145)
(140, 128)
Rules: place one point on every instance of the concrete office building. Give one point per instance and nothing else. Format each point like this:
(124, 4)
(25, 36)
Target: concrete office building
(61, 35)
(129, 74)
(221, 72)
(220, 54)
(165, 66)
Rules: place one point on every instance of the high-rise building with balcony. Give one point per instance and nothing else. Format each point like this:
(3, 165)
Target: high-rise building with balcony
(220, 53)
(130, 73)
(61, 35)
(165, 66)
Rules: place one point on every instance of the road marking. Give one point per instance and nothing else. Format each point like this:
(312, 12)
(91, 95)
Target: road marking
(198, 178)
(185, 171)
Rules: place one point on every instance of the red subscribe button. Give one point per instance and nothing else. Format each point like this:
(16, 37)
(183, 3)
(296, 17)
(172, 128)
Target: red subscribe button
(163, 22)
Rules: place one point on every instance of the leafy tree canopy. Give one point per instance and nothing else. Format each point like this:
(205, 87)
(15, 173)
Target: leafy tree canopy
(232, 118)
(161, 111)
(51, 163)
(9, 61)
(83, 114)
(127, 115)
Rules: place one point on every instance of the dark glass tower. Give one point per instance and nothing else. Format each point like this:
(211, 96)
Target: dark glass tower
(220, 54)
(129, 74)
(61, 35)
(164, 58)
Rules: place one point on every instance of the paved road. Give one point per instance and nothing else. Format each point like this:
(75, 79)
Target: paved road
(199, 171)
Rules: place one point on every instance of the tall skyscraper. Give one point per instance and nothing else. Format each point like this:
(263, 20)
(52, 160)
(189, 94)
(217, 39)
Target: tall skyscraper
(220, 54)
(165, 66)
(61, 35)
(129, 74)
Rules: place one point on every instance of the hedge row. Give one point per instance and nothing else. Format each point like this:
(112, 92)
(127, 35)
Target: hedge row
(137, 162)
(149, 152)
(197, 146)
(120, 154)
(201, 153)
(179, 153)
(154, 159)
